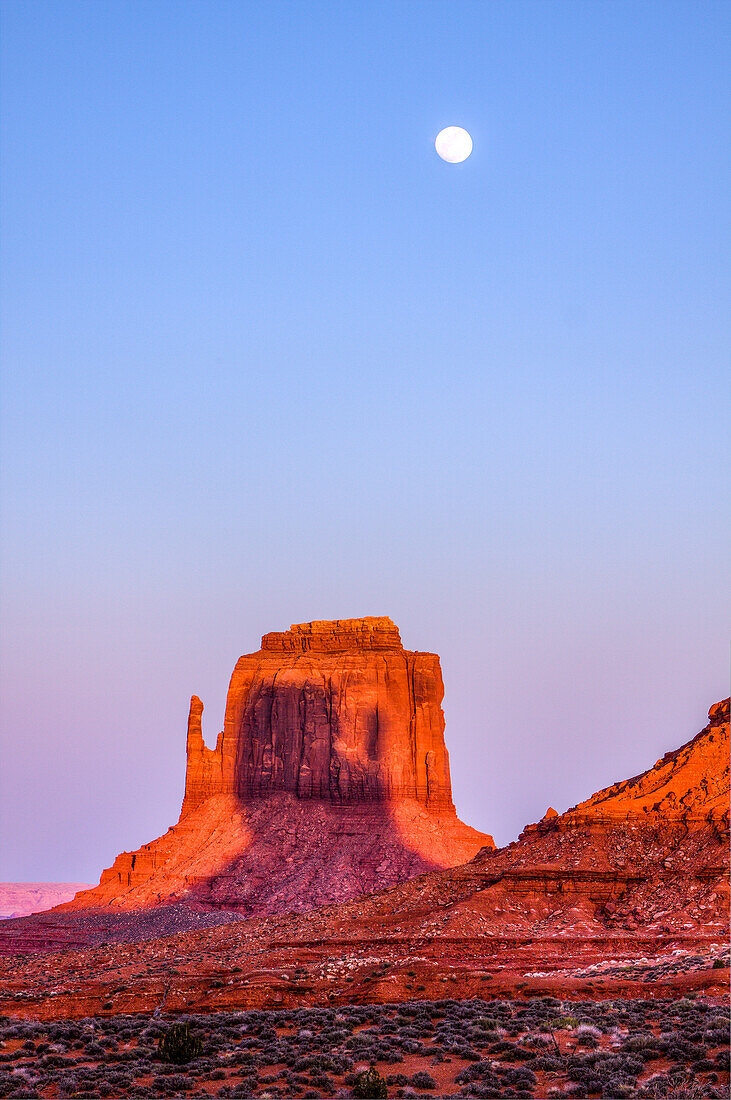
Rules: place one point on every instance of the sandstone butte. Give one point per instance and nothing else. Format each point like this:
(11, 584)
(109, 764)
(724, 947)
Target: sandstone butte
(329, 780)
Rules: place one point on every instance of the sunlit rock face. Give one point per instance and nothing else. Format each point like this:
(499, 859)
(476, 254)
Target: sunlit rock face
(691, 782)
(329, 780)
(330, 710)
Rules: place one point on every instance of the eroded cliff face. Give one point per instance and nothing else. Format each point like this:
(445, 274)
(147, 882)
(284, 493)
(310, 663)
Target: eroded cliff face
(329, 780)
(338, 711)
(648, 854)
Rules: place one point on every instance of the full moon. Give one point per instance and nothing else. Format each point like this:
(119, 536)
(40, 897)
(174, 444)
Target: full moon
(453, 144)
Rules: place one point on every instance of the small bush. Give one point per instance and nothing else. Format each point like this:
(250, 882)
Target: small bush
(563, 1023)
(369, 1084)
(178, 1046)
(423, 1080)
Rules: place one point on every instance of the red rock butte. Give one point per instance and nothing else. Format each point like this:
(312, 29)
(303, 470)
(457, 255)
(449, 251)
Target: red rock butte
(329, 780)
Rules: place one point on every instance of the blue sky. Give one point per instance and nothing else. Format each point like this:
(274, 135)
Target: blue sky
(266, 358)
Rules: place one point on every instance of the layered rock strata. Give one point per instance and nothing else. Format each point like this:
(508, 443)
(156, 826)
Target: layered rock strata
(329, 780)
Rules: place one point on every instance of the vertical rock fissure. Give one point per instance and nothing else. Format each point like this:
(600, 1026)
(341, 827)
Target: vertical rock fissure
(333, 771)
(243, 762)
(302, 716)
(270, 726)
(412, 720)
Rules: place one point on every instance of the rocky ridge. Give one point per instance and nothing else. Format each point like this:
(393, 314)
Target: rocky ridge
(613, 898)
(646, 854)
(690, 783)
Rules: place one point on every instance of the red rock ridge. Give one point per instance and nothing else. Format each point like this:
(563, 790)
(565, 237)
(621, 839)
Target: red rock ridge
(690, 783)
(648, 853)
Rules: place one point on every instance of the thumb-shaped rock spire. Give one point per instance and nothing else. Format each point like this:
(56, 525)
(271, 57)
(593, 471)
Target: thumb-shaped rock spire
(195, 730)
(203, 768)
